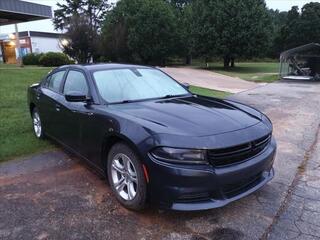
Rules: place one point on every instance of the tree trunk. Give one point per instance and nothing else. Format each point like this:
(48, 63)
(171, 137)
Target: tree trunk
(163, 62)
(189, 60)
(232, 62)
(207, 62)
(226, 61)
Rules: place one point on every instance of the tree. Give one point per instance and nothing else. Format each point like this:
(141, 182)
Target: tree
(148, 30)
(309, 23)
(232, 28)
(115, 32)
(182, 11)
(278, 21)
(299, 28)
(82, 42)
(289, 36)
(93, 10)
(187, 31)
(180, 4)
(82, 21)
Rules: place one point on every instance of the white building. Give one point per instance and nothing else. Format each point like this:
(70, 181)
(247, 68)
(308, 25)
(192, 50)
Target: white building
(30, 42)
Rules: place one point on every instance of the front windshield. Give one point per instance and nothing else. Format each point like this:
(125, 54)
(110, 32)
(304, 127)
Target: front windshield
(131, 84)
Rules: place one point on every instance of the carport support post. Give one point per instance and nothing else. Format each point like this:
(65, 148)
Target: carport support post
(19, 59)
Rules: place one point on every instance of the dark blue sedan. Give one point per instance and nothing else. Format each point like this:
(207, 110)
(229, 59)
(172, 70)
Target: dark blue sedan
(154, 140)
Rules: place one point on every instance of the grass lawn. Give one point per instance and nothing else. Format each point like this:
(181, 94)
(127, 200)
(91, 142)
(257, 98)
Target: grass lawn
(208, 92)
(16, 134)
(250, 71)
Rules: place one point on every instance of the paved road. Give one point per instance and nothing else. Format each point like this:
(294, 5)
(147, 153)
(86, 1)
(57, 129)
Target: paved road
(294, 110)
(209, 79)
(55, 196)
(300, 219)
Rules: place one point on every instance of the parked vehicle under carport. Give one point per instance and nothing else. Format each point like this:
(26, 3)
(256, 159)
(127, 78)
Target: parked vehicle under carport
(301, 63)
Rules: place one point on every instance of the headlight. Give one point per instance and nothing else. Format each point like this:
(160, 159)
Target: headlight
(179, 155)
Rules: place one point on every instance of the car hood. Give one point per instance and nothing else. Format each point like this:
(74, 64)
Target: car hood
(191, 116)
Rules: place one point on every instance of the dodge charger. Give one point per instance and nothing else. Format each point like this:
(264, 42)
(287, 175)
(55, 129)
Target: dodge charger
(154, 140)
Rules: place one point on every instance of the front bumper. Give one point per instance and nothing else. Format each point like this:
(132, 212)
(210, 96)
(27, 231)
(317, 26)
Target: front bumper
(189, 188)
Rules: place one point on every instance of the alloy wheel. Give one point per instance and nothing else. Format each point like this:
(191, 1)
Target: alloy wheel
(37, 124)
(124, 176)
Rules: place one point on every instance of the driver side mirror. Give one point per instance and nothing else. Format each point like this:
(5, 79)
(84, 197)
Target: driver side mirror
(186, 85)
(76, 97)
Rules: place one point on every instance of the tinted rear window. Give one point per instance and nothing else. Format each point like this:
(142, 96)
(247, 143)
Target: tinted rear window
(55, 80)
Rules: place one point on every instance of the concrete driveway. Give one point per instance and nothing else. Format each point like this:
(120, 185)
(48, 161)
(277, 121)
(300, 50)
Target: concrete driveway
(209, 79)
(56, 196)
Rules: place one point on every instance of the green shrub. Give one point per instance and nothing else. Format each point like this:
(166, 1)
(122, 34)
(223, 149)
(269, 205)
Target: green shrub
(32, 59)
(54, 59)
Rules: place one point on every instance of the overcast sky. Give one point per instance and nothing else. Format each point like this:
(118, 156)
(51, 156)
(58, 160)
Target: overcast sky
(46, 25)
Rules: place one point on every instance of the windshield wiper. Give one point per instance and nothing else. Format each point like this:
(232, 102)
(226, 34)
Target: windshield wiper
(125, 101)
(171, 96)
(138, 100)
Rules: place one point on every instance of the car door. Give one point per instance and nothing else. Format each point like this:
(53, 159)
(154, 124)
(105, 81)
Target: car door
(49, 99)
(73, 112)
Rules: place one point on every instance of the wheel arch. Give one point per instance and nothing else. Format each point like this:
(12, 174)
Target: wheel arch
(112, 139)
(31, 107)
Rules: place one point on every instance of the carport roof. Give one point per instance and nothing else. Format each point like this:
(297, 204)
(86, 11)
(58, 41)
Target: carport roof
(303, 48)
(15, 11)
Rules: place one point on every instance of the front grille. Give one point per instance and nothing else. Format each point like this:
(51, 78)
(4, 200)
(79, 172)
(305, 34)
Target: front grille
(237, 154)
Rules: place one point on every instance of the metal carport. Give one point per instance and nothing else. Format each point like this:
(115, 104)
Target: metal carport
(301, 63)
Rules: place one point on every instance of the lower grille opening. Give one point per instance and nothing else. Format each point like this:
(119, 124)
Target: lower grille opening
(194, 197)
(231, 190)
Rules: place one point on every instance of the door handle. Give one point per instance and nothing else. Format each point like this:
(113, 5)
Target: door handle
(58, 107)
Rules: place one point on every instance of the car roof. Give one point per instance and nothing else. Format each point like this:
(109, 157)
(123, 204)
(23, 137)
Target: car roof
(102, 66)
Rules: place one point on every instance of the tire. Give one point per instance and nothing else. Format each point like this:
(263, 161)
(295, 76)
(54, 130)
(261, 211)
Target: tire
(37, 124)
(126, 177)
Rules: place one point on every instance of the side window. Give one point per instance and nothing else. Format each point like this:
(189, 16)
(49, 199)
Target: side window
(76, 82)
(55, 80)
(46, 81)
